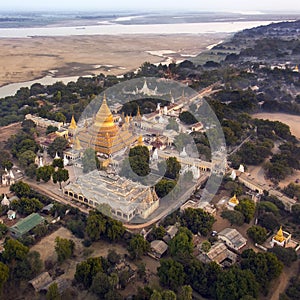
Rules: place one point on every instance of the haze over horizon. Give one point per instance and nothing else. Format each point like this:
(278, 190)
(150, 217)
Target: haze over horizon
(154, 5)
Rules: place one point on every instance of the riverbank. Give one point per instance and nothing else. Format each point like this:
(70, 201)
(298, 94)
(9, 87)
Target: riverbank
(24, 59)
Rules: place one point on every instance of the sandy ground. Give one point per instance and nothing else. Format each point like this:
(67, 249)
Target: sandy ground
(31, 58)
(7, 131)
(291, 120)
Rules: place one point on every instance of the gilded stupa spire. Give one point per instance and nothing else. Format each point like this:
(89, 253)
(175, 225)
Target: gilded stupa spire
(73, 124)
(104, 117)
(140, 141)
(279, 236)
(138, 114)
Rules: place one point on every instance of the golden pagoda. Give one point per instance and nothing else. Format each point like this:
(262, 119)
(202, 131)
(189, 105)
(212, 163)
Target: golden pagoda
(104, 135)
(140, 141)
(73, 124)
(233, 201)
(138, 115)
(279, 237)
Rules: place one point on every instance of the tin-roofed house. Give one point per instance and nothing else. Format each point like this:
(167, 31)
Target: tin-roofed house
(26, 225)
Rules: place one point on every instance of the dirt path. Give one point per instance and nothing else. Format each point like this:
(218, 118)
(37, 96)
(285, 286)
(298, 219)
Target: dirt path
(283, 280)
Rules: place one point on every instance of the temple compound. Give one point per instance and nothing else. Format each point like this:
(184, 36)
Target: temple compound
(125, 198)
(104, 135)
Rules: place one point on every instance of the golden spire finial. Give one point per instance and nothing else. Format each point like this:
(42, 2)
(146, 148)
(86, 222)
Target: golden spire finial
(140, 141)
(73, 124)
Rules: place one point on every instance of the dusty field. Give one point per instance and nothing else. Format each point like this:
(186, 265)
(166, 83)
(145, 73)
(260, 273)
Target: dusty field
(46, 246)
(291, 120)
(27, 59)
(7, 131)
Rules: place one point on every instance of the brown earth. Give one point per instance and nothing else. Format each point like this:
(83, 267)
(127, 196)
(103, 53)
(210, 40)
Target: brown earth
(24, 59)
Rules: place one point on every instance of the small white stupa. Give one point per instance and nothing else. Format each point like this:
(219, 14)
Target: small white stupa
(183, 153)
(196, 172)
(155, 154)
(66, 161)
(241, 168)
(41, 163)
(5, 201)
(56, 156)
(233, 175)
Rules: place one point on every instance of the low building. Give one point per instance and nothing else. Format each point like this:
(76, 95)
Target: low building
(220, 254)
(41, 281)
(158, 248)
(43, 122)
(26, 225)
(232, 238)
(171, 232)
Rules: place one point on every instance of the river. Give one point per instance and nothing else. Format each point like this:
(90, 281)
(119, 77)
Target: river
(116, 29)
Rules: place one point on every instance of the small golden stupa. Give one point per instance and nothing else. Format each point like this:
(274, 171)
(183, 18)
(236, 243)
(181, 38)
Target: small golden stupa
(279, 237)
(233, 201)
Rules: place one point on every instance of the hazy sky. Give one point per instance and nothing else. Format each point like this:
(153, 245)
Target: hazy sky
(201, 5)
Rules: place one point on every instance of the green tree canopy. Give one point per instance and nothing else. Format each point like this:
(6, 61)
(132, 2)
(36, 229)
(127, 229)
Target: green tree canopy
(138, 246)
(90, 160)
(257, 234)
(171, 274)
(64, 248)
(247, 208)
(234, 217)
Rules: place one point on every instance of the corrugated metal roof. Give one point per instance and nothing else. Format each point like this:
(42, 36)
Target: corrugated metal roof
(27, 224)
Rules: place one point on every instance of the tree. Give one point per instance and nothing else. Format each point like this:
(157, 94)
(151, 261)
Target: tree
(168, 295)
(172, 125)
(156, 295)
(139, 158)
(61, 175)
(269, 221)
(28, 126)
(114, 230)
(235, 284)
(53, 293)
(26, 158)
(164, 187)
(247, 208)
(296, 213)
(264, 266)
(182, 244)
(234, 217)
(138, 246)
(171, 274)
(57, 146)
(257, 234)
(197, 220)
(30, 171)
(185, 293)
(101, 284)
(14, 251)
(173, 168)
(21, 189)
(90, 160)
(95, 226)
(205, 247)
(26, 206)
(285, 255)
(86, 271)
(58, 163)
(51, 129)
(44, 173)
(4, 275)
(3, 230)
(64, 248)
(187, 118)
